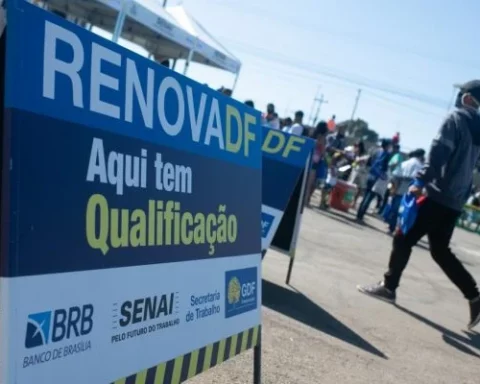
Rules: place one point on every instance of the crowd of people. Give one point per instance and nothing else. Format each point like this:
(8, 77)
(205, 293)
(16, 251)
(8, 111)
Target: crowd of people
(439, 187)
(382, 173)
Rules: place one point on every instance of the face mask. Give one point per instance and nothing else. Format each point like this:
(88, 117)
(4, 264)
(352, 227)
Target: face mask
(458, 100)
(460, 104)
(478, 107)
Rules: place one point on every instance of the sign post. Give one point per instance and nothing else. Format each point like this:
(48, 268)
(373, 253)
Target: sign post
(130, 239)
(286, 164)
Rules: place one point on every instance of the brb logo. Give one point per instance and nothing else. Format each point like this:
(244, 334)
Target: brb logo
(241, 291)
(57, 325)
(267, 221)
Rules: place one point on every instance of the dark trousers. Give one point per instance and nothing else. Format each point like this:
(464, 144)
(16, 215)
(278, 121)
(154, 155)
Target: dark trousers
(393, 214)
(437, 222)
(367, 199)
(382, 203)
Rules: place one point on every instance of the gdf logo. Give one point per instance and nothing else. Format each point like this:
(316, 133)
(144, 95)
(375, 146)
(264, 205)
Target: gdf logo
(234, 289)
(240, 291)
(57, 325)
(248, 289)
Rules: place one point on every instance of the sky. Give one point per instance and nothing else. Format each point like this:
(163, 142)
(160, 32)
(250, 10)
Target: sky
(404, 55)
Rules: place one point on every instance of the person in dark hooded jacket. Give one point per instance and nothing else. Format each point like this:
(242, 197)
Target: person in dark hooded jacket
(446, 180)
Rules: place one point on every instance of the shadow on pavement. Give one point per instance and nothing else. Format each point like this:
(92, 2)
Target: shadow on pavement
(372, 227)
(301, 308)
(460, 342)
(338, 217)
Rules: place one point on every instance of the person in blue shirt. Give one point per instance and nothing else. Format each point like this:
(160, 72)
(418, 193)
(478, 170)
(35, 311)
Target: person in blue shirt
(378, 170)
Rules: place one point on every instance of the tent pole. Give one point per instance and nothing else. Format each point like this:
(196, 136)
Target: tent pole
(235, 81)
(187, 63)
(120, 21)
(174, 64)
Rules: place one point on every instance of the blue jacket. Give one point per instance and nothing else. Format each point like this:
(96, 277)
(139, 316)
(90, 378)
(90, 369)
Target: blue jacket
(379, 165)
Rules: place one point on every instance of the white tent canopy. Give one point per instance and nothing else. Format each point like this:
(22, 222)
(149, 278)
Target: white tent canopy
(207, 46)
(147, 24)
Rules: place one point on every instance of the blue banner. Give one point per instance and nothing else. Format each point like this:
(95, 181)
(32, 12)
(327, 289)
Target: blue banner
(131, 199)
(285, 156)
(114, 156)
(76, 76)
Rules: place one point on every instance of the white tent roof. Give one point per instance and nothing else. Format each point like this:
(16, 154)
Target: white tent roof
(147, 24)
(207, 46)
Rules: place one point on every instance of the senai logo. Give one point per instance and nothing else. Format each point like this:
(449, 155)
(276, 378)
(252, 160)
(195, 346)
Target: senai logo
(57, 325)
(241, 291)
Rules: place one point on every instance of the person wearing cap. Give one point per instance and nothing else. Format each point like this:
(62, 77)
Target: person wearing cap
(445, 180)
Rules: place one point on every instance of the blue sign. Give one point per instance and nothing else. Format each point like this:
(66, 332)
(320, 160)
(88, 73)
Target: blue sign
(241, 291)
(112, 153)
(285, 157)
(124, 194)
(267, 221)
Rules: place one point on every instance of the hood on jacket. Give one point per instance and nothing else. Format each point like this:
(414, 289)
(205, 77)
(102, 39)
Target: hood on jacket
(472, 119)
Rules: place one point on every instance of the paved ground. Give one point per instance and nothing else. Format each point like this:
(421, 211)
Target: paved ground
(321, 330)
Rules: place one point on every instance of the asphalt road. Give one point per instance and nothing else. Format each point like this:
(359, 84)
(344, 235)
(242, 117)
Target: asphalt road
(321, 330)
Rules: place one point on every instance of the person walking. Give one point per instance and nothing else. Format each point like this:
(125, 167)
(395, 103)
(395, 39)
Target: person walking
(359, 173)
(401, 179)
(378, 171)
(396, 159)
(334, 149)
(318, 158)
(446, 179)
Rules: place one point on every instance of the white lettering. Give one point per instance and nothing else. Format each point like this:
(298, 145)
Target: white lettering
(132, 84)
(52, 65)
(175, 128)
(167, 96)
(168, 177)
(96, 165)
(172, 177)
(196, 121)
(115, 171)
(99, 79)
(213, 129)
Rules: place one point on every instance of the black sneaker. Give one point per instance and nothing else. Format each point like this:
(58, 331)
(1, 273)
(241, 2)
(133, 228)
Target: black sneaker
(474, 312)
(378, 291)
